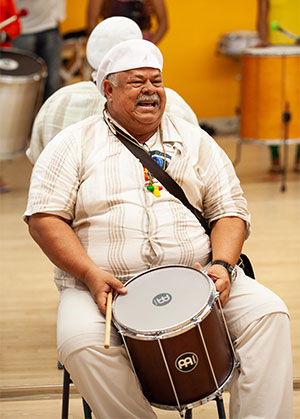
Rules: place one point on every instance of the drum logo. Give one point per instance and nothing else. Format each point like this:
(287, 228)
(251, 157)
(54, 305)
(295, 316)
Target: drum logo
(186, 362)
(8, 64)
(162, 299)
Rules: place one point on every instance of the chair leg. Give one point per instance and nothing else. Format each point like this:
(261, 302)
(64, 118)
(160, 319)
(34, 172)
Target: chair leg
(188, 414)
(59, 366)
(66, 393)
(220, 406)
(87, 410)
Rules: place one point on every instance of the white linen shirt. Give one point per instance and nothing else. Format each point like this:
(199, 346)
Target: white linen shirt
(87, 176)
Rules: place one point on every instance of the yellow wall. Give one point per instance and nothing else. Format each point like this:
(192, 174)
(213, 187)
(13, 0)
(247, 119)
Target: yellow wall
(205, 79)
(76, 16)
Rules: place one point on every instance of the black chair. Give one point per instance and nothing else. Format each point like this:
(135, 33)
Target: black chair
(65, 399)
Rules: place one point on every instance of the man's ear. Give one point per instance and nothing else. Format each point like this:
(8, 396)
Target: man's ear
(108, 88)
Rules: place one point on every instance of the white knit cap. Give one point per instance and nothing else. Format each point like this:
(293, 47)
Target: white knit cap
(127, 55)
(107, 34)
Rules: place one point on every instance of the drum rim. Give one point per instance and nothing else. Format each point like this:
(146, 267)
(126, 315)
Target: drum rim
(272, 51)
(24, 52)
(175, 329)
(23, 79)
(42, 73)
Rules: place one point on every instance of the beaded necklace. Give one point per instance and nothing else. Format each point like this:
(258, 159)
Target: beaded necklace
(150, 181)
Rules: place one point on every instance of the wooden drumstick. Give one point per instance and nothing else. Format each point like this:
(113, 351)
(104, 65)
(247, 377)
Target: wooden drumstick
(108, 320)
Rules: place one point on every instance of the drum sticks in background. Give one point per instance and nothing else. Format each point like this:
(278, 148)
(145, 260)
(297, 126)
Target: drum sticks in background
(276, 27)
(108, 321)
(22, 13)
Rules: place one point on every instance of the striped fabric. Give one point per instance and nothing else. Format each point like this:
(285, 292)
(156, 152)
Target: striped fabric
(87, 176)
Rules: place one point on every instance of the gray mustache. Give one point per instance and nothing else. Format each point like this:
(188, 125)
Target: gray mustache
(153, 98)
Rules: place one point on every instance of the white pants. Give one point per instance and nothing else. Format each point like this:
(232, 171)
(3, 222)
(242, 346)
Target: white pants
(258, 323)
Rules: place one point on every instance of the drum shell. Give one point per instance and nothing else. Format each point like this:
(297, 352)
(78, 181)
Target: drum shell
(192, 386)
(268, 83)
(20, 99)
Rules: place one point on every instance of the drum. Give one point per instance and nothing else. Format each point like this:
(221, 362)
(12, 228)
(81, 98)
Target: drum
(270, 79)
(233, 43)
(22, 77)
(176, 337)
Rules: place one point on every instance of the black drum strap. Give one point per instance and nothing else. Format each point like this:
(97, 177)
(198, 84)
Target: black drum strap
(160, 174)
(172, 186)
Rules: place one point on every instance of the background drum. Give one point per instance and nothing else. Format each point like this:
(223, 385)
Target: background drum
(270, 79)
(233, 43)
(175, 335)
(22, 77)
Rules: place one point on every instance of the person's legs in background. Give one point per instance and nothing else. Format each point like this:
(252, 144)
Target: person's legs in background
(275, 159)
(297, 160)
(49, 47)
(26, 42)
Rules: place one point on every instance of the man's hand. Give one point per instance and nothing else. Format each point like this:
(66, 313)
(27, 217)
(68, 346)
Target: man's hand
(220, 277)
(100, 283)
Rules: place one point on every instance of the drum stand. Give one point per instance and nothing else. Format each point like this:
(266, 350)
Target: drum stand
(286, 118)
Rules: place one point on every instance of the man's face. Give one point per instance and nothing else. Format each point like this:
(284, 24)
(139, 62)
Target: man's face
(138, 101)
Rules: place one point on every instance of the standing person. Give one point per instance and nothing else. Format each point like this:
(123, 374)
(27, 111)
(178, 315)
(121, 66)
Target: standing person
(12, 30)
(40, 34)
(90, 211)
(77, 101)
(287, 14)
(141, 11)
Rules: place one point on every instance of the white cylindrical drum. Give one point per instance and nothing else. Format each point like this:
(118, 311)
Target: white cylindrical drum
(175, 334)
(22, 79)
(233, 43)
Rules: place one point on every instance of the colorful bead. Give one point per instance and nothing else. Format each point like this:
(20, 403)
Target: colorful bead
(150, 183)
(156, 191)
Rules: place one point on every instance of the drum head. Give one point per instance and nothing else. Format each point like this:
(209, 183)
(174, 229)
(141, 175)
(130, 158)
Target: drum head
(15, 62)
(163, 299)
(273, 51)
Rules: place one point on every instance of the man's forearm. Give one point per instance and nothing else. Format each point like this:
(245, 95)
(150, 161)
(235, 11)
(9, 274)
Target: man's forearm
(59, 242)
(227, 239)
